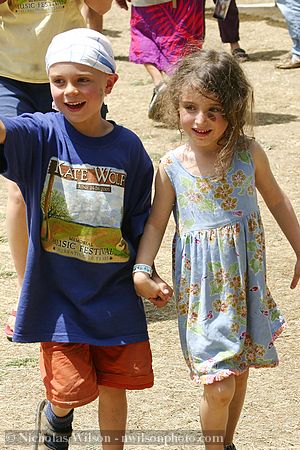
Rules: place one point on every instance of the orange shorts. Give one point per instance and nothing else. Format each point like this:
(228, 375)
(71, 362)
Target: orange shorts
(72, 373)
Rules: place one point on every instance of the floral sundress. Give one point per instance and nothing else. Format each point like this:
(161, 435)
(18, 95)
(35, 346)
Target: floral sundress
(227, 318)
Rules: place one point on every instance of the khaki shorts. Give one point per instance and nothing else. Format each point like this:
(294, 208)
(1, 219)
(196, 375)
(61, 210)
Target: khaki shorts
(72, 373)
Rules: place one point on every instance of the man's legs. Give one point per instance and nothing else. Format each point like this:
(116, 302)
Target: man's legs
(290, 9)
(229, 32)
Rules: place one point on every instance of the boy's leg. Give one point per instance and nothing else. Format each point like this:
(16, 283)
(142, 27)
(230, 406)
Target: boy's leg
(70, 380)
(236, 406)
(119, 368)
(214, 409)
(112, 417)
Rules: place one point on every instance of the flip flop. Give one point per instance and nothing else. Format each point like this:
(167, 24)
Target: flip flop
(8, 331)
(240, 55)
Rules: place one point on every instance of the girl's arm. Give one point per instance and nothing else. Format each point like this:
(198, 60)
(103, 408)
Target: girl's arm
(153, 234)
(2, 132)
(278, 203)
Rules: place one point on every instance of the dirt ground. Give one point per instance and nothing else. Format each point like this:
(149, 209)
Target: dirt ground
(270, 419)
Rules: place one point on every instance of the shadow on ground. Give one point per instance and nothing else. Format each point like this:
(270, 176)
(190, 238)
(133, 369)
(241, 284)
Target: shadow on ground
(263, 118)
(160, 314)
(271, 55)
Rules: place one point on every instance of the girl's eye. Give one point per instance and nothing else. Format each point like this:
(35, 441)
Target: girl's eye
(189, 107)
(216, 109)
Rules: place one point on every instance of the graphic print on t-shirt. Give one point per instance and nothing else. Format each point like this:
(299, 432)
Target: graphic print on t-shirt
(29, 6)
(82, 212)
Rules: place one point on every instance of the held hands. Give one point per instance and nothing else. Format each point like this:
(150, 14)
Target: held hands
(296, 276)
(153, 289)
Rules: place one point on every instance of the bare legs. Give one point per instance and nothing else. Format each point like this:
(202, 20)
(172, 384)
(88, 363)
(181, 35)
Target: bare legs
(112, 416)
(236, 405)
(17, 229)
(154, 73)
(221, 407)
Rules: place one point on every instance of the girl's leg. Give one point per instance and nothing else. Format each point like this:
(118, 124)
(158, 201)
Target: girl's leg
(112, 417)
(214, 410)
(236, 406)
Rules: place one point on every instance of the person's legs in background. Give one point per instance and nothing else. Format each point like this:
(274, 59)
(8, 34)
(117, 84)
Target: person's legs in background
(290, 9)
(229, 32)
(160, 35)
(17, 98)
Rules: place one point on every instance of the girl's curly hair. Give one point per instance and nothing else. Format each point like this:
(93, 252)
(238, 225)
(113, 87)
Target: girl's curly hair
(216, 74)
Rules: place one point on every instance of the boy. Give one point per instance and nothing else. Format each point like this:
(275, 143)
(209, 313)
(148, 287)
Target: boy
(87, 187)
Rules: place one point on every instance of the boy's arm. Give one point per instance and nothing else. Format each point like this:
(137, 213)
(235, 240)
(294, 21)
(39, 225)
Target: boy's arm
(153, 234)
(2, 132)
(278, 203)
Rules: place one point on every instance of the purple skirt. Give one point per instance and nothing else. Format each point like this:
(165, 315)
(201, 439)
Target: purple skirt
(161, 34)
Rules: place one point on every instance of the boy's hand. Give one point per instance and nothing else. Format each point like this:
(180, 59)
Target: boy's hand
(296, 276)
(157, 293)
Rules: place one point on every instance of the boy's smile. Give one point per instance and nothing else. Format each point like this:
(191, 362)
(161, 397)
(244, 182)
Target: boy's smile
(78, 92)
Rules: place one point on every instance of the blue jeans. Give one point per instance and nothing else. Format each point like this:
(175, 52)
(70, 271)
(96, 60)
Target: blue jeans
(290, 9)
(18, 97)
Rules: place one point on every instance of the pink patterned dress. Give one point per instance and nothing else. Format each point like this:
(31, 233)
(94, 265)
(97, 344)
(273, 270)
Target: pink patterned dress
(161, 34)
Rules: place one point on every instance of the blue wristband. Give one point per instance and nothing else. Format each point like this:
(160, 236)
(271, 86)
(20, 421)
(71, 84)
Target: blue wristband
(143, 268)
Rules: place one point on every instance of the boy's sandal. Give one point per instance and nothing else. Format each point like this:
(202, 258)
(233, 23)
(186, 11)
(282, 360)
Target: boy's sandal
(45, 432)
(240, 55)
(8, 330)
(38, 440)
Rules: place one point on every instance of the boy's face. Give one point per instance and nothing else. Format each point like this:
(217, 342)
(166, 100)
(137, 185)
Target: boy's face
(78, 92)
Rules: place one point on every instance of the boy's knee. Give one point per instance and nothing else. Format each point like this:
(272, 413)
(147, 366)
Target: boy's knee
(111, 391)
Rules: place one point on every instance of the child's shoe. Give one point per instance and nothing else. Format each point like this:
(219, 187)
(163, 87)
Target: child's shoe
(10, 325)
(46, 433)
(230, 447)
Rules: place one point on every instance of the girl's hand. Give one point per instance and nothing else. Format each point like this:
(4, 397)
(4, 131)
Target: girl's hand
(165, 288)
(146, 287)
(296, 274)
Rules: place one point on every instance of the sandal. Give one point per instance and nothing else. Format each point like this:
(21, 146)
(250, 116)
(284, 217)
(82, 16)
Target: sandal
(154, 111)
(240, 55)
(9, 327)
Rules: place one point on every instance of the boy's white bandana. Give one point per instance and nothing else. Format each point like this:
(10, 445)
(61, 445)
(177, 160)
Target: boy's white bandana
(82, 46)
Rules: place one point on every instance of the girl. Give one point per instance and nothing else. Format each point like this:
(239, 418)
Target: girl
(228, 320)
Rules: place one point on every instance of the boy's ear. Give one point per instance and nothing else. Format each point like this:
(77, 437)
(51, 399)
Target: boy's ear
(110, 82)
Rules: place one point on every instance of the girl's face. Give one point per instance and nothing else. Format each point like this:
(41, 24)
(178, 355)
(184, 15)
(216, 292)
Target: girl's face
(78, 92)
(202, 119)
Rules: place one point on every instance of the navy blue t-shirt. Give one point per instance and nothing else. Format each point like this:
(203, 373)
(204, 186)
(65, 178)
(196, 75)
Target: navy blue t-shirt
(87, 202)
